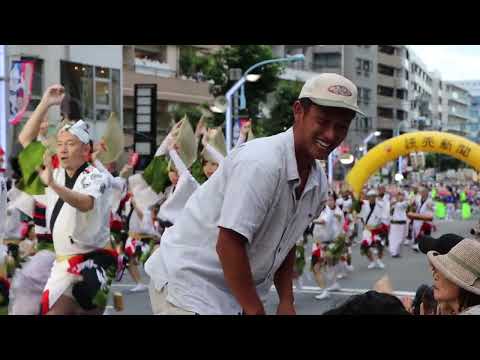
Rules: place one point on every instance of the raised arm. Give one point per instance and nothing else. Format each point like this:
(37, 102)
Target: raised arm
(52, 96)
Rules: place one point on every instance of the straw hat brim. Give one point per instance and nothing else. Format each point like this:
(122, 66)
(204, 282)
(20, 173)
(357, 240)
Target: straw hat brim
(454, 272)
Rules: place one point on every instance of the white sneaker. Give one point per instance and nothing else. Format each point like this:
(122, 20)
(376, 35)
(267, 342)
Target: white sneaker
(371, 265)
(349, 268)
(415, 247)
(324, 295)
(334, 287)
(380, 264)
(139, 288)
(341, 276)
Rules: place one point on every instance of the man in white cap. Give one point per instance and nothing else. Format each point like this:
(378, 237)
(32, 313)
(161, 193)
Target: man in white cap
(77, 213)
(236, 235)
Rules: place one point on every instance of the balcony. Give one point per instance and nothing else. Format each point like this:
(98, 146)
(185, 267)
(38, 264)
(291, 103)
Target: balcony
(459, 99)
(401, 82)
(392, 102)
(168, 88)
(151, 67)
(461, 115)
(385, 123)
(385, 80)
(391, 60)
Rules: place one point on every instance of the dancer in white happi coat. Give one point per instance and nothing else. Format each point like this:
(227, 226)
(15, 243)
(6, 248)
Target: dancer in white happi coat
(79, 195)
(375, 217)
(398, 224)
(4, 283)
(422, 217)
(327, 230)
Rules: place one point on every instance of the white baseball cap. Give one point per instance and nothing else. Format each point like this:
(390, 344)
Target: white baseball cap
(371, 193)
(329, 89)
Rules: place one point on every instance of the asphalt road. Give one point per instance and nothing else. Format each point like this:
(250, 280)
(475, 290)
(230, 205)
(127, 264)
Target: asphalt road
(406, 274)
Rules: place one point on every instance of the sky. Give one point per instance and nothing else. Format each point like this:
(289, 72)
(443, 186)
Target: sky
(455, 62)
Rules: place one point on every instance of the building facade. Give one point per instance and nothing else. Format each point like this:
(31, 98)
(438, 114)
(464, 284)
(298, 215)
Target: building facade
(356, 62)
(473, 87)
(458, 106)
(161, 65)
(393, 104)
(91, 74)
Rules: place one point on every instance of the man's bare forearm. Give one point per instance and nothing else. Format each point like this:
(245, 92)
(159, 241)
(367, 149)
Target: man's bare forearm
(284, 277)
(32, 128)
(236, 268)
(79, 201)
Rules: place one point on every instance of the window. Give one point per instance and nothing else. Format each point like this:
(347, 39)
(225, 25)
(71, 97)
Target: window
(387, 49)
(37, 82)
(326, 60)
(401, 115)
(364, 95)
(97, 89)
(363, 67)
(385, 112)
(402, 94)
(386, 70)
(439, 100)
(385, 91)
(406, 74)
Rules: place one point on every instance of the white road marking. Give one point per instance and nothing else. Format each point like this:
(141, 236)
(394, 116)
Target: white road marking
(343, 291)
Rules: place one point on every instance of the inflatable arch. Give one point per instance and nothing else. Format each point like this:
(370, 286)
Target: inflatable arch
(421, 141)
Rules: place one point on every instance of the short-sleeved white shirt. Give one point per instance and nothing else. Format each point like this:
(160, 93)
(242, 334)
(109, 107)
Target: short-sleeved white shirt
(252, 193)
(76, 232)
(400, 211)
(332, 226)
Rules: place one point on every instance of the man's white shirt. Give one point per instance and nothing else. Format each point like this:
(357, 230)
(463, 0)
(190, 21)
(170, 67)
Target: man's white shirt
(252, 193)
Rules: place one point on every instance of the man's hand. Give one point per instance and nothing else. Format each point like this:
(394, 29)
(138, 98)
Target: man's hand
(245, 129)
(46, 171)
(201, 128)
(286, 308)
(125, 171)
(54, 95)
(99, 148)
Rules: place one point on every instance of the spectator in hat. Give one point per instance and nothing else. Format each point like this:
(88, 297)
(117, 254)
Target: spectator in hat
(456, 277)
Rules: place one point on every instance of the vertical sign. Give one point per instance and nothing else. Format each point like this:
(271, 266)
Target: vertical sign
(145, 122)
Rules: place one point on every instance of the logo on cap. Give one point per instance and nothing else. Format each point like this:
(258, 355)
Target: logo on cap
(339, 90)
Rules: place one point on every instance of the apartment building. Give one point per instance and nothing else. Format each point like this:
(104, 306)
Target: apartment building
(420, 95)
(356, 62)
(393, 104)
(473, 87)
(459, 102)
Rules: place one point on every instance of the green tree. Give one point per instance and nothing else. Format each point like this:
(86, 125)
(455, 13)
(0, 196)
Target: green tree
(242, 56)
(281, 116)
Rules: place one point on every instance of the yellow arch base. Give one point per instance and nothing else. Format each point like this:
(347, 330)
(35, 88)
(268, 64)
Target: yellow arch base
(421, 141)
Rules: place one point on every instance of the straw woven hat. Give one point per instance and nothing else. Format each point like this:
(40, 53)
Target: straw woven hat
(461, 264)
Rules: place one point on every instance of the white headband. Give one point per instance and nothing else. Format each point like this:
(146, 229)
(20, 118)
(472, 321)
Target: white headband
(80, 130)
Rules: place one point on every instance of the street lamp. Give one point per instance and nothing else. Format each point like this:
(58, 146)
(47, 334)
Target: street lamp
(240, 84)
(367, 140)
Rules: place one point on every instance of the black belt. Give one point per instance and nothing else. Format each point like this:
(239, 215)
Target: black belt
(399, 222)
